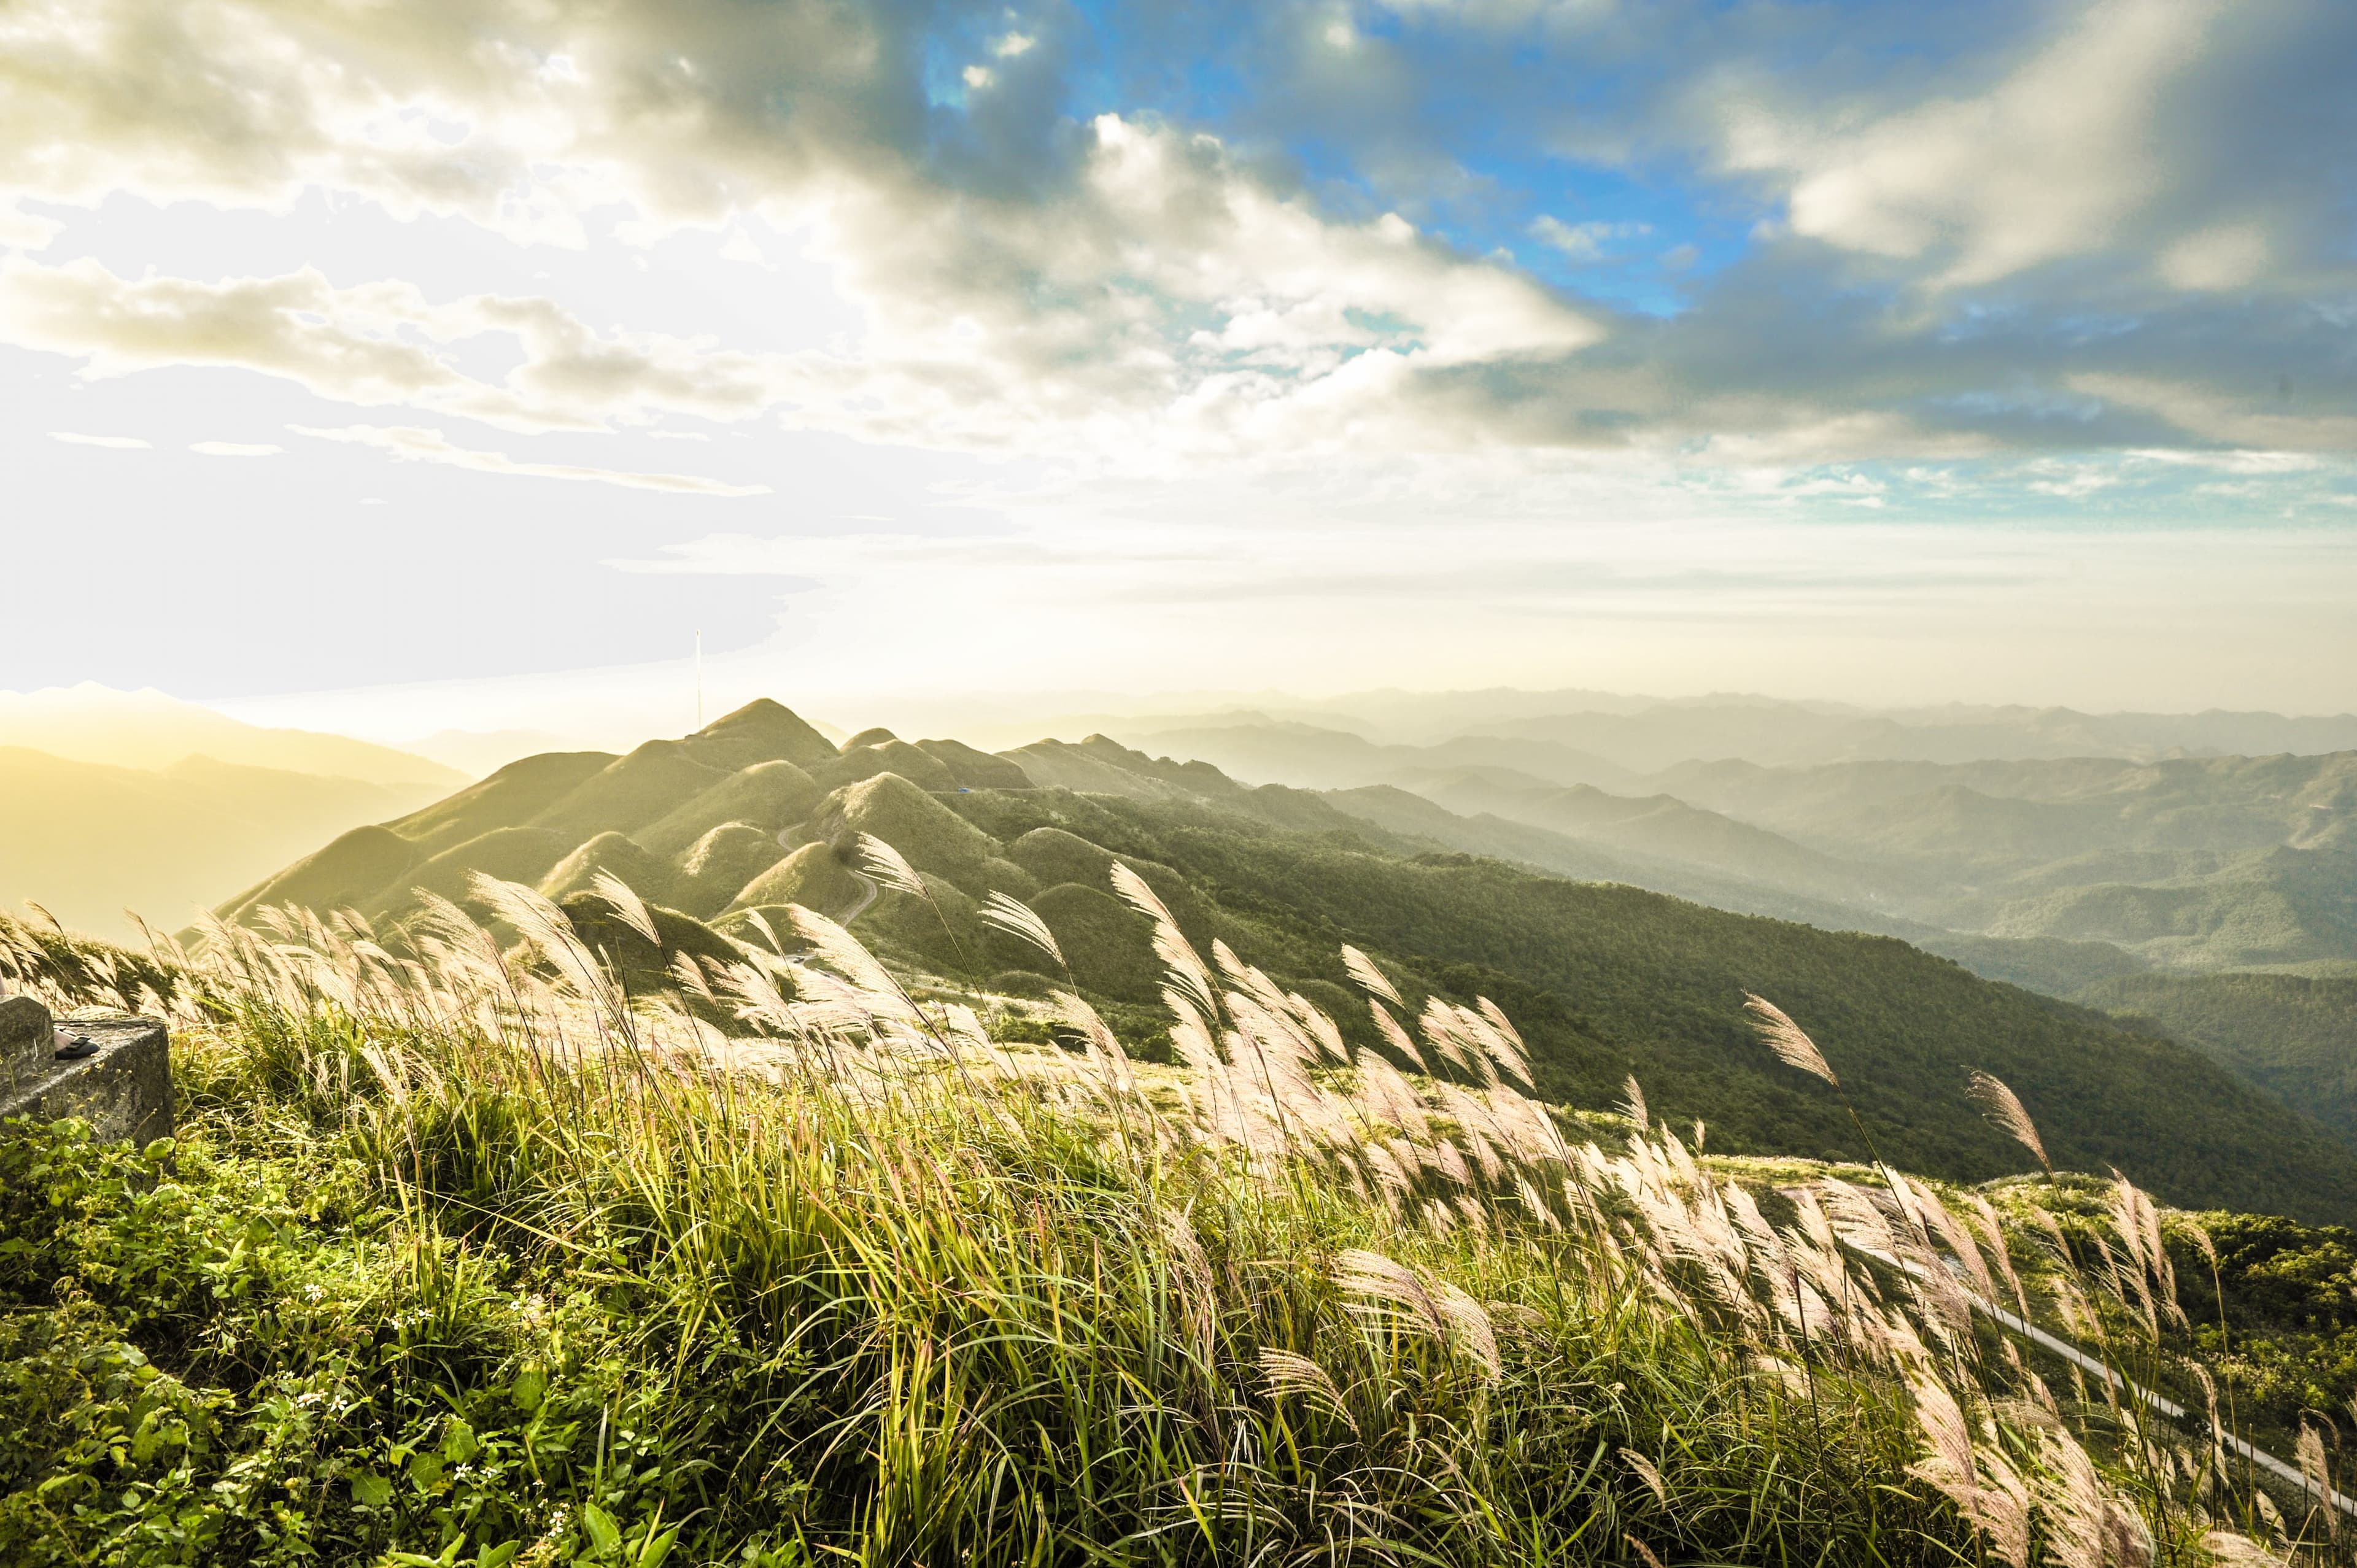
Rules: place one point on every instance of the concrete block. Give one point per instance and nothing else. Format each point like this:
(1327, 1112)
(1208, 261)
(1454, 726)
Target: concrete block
(122, 1088)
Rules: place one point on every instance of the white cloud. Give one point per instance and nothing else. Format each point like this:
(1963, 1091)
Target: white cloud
(377, 344)
(235, 450)
(2281, 438)
(411, 445)
(2228, 255)
(1076, 328)
(22, 231)
(1125, 295)
(1584, 241)
(120, 442)
(2068, 153)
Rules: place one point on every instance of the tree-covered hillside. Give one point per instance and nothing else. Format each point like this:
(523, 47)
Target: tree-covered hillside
(2294, 1035)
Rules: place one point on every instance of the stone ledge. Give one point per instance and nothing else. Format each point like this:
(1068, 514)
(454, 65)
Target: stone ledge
(123, 1089)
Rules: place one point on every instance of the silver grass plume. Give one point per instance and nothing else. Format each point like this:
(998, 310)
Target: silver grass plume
(1505, 1041)
(890, 867)
(1648, 1473)
(1793, 1048)
(1019, 919)
(1469, 1322)
(1362, 1272)
(1635, 1104)
(691, 977)
(1396, 1037)
(2004, 1110)
(1305, 1378)
(626, 904)
(1371, 980)
(542, 924)
(2310, 1451)
(1170, 944)
(761, 922)
(876, 988)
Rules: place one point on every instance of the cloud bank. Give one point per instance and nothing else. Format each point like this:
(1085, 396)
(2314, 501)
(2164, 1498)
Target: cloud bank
(2123, 224)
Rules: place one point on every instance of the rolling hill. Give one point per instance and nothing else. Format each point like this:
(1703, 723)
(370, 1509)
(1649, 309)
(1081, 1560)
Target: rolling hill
(1607, 980)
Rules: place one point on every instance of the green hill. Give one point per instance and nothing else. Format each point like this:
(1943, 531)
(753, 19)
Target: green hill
(610, 854)
(771, 795)
(630, 792)
(341, 875)
(717, 866)
(814, 876)
(761, 731)
(507, 799)
(1607, 980)
(511, 854)
(2292, 1035)
(914, 764)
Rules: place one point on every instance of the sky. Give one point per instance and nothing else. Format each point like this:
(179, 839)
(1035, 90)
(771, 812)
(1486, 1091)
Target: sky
(460, 363)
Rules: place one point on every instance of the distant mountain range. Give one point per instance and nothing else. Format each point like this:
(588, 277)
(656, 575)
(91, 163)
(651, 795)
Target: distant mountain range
(723, 828)
(1644, 734)
(90, 842)
(2204, 861)
(113, 800)
(147, 729)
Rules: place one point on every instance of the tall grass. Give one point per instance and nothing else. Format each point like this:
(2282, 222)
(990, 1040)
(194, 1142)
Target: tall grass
(781, 1263)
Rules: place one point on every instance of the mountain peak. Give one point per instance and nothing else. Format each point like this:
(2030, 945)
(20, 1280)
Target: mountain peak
(763, 730)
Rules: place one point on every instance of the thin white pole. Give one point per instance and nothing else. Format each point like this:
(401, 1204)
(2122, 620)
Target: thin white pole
(699, 680)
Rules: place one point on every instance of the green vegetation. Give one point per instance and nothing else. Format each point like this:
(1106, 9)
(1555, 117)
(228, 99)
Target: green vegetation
(510, 798)
(761, 731)
(2286, 1344)
(2294, 1037)
(480, 1260)
(814, 876)
(610, 854)
(630, 792)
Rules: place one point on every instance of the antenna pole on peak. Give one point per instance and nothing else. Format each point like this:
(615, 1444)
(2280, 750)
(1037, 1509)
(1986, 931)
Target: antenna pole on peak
(699, 680)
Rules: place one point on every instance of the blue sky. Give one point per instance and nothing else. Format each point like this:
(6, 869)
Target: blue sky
(455, 356)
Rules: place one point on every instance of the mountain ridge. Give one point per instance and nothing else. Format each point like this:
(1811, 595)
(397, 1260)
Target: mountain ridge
(1610, 978)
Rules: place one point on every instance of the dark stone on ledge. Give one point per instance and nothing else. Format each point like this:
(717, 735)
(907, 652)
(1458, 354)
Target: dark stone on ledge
(115, 1073)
